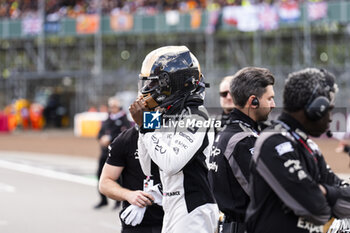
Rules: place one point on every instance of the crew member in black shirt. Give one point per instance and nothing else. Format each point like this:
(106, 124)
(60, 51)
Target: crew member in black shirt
(253, 97)
(123, 161)
(116, 123)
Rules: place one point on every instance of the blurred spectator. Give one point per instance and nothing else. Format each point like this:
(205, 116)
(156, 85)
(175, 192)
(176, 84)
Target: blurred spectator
(103, 108)
(22, 113)
(92, 109)
(10, 112)
(55, 112)
(17, 114)
(116, 123)
(36, 116)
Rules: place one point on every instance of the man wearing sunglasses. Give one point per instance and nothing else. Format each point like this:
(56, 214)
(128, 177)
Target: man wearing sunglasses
(226, 102)
(253, 97)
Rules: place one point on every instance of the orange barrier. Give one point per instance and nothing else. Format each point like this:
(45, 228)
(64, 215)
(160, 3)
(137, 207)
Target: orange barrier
(87, 124)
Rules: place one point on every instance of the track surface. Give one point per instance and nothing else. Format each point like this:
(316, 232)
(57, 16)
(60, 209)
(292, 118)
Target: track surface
(64, 142)
(48, 183)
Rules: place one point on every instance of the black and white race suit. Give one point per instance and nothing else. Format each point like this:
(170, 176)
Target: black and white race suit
(181, 151)
(285, 180)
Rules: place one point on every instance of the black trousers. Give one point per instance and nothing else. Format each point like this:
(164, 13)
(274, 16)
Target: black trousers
(101, 163)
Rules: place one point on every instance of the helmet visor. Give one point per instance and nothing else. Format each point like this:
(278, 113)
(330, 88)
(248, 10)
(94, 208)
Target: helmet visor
(148, 85)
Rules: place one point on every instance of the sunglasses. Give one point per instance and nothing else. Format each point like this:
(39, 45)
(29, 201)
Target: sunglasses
(223, 94)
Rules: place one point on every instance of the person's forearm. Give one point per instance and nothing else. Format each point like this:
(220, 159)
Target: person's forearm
(113, 190)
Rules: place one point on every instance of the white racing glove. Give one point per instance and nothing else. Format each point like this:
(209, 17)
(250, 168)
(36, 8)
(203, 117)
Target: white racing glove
(132, 215)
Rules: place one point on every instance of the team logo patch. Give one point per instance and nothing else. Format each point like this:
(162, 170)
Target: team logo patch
(284, 147)
(176, 150)
(109, 150)
(170, 194)
(303, 224)
(151, 120)
(136, 154)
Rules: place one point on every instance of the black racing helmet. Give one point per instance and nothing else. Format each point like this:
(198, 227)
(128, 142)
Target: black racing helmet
(168, 72)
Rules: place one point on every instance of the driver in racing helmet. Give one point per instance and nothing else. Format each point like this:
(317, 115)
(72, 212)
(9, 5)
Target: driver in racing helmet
(172, 86)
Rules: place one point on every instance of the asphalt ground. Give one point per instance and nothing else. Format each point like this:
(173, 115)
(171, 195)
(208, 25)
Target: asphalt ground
(63, 142)
(48, 183)
(53, 192)
(51, 195)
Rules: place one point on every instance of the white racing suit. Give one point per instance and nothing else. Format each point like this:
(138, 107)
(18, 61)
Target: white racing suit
(181, 154)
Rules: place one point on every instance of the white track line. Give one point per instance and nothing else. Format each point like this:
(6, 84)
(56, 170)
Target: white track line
(47, 173)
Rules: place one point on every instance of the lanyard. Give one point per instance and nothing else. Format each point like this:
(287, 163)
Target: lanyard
(298, 138)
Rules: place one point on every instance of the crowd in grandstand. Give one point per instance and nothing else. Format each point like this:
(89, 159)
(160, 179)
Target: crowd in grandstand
(15, 9)
(72, 8)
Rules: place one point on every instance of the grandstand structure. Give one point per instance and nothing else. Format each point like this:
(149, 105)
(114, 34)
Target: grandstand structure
(91, 57)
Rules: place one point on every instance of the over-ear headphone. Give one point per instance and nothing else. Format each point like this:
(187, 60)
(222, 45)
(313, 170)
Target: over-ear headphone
(316, 108)
(255, 102)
